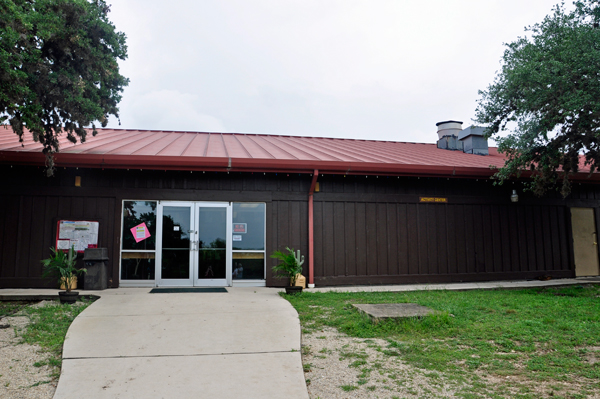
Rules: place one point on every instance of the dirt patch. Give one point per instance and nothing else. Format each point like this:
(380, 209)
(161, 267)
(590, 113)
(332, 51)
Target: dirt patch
(338, 366)
(19, 378)
(513, 385)
(592, 354)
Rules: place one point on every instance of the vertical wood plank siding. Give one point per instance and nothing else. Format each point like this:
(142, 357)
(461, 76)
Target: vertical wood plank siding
(289, 228)
(387, 236)
(442, 244)
(368, 230)
(29, 230)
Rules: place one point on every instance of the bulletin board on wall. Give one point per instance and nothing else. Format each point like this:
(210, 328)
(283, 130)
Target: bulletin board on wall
(80, 234)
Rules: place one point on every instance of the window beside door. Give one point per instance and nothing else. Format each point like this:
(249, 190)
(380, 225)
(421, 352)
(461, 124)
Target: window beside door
(248, 254)
(138, 240)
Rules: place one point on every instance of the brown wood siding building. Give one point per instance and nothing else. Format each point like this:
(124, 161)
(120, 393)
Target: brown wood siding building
(368, 229)
(374, 230)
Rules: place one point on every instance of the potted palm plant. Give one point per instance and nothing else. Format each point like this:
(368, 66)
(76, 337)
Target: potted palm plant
(290, 267)
(62, 265)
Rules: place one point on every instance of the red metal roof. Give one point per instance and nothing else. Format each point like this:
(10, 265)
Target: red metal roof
(163, 150)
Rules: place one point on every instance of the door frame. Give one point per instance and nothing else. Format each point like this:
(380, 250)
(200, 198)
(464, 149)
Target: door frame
(193, 280)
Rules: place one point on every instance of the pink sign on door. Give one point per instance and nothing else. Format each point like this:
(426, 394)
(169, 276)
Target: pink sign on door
(140, 232)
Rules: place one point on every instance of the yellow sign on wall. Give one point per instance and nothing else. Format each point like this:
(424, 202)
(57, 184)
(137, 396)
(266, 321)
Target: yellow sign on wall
(433, 199)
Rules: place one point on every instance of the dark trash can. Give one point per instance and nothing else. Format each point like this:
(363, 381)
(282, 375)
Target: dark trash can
(95, 261)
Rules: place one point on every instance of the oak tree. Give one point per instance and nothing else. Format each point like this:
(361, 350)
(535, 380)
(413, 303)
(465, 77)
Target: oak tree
(59, 69)
(543, 107)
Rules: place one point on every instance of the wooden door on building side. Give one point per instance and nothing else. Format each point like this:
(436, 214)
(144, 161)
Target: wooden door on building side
(585, 242)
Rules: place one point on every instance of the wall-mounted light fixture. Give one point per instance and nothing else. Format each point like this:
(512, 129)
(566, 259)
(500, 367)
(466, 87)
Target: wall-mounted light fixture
(514, 196)
(77, 181)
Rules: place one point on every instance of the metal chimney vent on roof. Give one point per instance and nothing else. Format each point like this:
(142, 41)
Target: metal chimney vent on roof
(448, 132)
(474, 141)
(450, 143)
(448, 128)
(451, 136)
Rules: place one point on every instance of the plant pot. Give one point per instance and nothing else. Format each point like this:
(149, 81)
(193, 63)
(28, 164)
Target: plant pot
(73, 283)
(68, 297)
(293, 290)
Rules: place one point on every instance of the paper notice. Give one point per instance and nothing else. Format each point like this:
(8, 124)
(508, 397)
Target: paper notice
(81, 234)
(63, 244)
(140, 232)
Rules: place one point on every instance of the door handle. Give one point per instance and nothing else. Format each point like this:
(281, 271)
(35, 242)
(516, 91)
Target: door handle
(595, 238)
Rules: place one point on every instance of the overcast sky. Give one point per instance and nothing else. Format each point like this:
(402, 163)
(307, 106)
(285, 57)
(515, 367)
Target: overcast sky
(377, 69)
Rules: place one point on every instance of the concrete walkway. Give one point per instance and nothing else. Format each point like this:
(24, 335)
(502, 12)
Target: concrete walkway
(131, 344)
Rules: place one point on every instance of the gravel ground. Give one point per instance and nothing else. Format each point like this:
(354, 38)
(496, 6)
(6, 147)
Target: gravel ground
(337, 367)
(19, 378)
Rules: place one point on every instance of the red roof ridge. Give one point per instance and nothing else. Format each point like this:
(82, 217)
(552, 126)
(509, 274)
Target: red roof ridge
(99, 129)
(262, 135)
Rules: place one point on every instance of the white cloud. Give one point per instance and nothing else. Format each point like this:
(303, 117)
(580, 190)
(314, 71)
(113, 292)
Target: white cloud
(383, 69)
(167, 110)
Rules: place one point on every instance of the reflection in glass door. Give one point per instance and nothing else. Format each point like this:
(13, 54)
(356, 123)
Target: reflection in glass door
(175, 255)
(194, 244)
(213, 244)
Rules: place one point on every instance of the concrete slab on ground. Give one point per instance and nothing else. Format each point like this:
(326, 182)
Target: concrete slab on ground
(236, 300)
(249, 376)
(181, 334)
(380, 311)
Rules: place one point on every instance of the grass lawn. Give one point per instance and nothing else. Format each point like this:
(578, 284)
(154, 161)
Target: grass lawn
(47, 326)
(500, 344)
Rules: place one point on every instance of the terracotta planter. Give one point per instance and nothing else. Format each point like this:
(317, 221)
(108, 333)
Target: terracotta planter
(68, 297)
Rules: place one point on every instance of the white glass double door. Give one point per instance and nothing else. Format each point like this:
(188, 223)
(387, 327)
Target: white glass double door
(193, 244)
